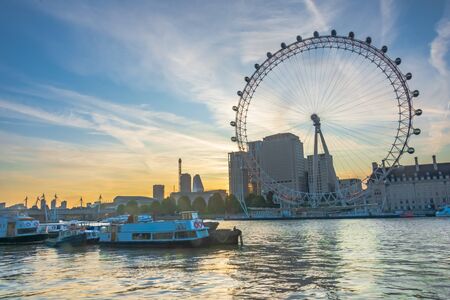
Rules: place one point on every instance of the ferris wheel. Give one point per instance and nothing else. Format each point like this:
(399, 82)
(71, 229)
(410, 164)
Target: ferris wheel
(347, 102)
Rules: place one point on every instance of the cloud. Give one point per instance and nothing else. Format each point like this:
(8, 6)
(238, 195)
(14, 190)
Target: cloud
(440, 46)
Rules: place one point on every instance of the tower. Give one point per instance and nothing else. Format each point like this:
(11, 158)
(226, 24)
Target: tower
(323, 177)
(179, 174)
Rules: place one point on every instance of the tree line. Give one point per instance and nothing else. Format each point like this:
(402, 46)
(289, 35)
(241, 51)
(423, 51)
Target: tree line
(215, 205)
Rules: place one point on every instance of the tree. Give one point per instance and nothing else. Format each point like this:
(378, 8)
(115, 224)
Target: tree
(168, 206)
(216, 205)
(184, 203)
(199, 204)
(155, 207)
(249, 199)
(132, 207)
(121, 209)
(145, 209)
(232, 205)
(258, 201)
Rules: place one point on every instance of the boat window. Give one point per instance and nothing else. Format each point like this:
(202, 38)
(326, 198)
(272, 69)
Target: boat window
(141, 236)
(185, 234)
(26, 230)
(163, 236)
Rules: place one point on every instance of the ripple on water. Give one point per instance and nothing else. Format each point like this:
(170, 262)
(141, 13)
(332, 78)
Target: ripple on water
(328, 259)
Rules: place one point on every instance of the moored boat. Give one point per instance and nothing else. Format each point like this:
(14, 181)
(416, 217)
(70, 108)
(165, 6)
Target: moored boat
(74, 236)
(443, 212)
(187, 232)
(20, 229)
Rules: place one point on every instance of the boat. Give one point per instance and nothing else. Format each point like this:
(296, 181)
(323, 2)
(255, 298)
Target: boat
(444, 211)
(187, 232)
(20, 229)
(53, 229)
(74, 236)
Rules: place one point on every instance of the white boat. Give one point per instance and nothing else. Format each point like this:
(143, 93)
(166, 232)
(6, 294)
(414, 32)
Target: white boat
(444, 212)
(53, 229)
(187, 232)
(20, 229)
(74, 235)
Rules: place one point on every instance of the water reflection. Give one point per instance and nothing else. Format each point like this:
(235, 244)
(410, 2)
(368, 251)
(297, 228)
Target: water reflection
(329, 259)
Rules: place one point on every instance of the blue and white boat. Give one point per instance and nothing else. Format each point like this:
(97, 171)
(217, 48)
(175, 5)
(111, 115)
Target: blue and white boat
(187, 232)
(20, 229)
(444, 212)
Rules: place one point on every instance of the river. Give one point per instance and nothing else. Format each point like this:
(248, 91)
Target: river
(314, 259)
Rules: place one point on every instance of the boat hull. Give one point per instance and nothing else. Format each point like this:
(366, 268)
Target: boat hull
(158, 244)
(77, 240)
(24, 239)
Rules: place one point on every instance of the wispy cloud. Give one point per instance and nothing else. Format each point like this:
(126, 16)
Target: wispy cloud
(440, 46)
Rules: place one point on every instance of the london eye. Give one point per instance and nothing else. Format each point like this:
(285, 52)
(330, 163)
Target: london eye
(347, 102)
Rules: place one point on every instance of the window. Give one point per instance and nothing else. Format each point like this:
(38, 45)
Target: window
(163, 236)
(141, 236)
(185, 234)
(26, 230)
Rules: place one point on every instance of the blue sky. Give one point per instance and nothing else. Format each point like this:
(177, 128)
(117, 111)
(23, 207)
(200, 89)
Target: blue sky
(103, 97)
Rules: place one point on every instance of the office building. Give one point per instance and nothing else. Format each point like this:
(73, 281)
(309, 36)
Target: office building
(326, 178)
(238, 175)
(185, 183)
(282, 160)
(158, 191)
(197, 185)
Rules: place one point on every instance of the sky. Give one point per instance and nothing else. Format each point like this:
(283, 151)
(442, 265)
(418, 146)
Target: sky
(103, 97)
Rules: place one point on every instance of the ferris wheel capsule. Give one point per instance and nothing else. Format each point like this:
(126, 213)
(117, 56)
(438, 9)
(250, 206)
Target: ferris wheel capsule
(235, 108)
(417, 131)
(316, 34)
(256, 66)
(408, 76)
(398, 61)
(299, 38)
(233, 139)
(351, 35)
(247, 79)
(384, 49)
(283, 46)
(239, 93)
(418, 112)
(411, 150)
(415, 93)
(333, 32)
(368, 40)
(269, 55)
(233, 123)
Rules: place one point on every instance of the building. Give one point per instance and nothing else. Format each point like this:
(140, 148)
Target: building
(350, 186)
(197, 185)
(238, 175)
(63, 204)
(254, 160)
(326, 178)
(158, 191)
(140, 200)
(192, 195)
(282, 160)
(421, 188)
(2, 205)
(185, 183)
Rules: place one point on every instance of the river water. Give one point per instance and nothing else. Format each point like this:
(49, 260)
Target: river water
(314, 259)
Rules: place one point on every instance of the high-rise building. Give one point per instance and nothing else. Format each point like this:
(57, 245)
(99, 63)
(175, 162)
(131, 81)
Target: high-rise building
(158, 191)
(238, 174)
(281, 158)
(63, 204)
(197, 185)
(254, 160)
(326, 179)
(185, 183)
